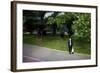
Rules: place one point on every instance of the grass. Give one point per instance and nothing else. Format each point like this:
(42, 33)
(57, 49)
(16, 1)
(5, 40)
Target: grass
(56, 42)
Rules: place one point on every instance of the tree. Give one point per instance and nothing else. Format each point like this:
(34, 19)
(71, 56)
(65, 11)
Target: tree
(51, 21)
(33, 20)
(62, 19)
(29, 26)
(69, 22)
(82, 25)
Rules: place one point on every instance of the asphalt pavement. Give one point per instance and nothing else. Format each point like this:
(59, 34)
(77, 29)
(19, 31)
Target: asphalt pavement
(33, 53)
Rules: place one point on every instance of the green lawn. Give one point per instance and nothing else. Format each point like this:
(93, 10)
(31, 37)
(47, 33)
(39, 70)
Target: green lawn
(56, 42)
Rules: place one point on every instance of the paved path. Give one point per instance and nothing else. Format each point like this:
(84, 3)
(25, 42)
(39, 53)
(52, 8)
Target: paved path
(33, 53)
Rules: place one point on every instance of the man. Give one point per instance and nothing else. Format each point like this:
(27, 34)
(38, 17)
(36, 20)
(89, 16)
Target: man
(70, 46)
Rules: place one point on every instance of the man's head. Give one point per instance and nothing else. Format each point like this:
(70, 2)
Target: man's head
(70, 39)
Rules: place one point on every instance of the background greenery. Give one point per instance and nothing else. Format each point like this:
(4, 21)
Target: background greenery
(48, 28)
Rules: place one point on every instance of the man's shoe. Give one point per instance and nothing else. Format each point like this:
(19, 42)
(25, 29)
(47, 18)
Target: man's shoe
(72, 52)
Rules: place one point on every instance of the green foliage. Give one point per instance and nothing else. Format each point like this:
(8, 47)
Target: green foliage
(60, 19)
(51, 20)
(82, 26)
(78, 24)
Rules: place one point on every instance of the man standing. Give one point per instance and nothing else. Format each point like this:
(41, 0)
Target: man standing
(70, 46)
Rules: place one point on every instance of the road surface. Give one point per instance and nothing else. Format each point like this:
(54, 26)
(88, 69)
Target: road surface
(33, 53)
